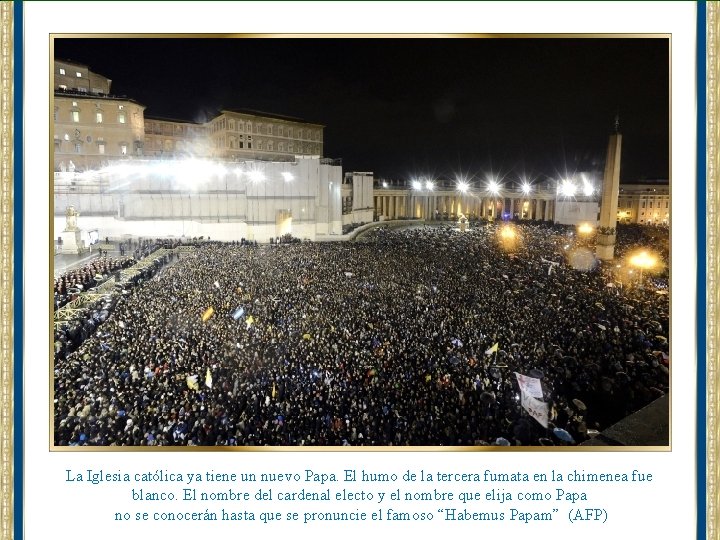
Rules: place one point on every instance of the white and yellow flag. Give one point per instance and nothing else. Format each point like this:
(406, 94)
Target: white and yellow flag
(492, 349)
(208, 378)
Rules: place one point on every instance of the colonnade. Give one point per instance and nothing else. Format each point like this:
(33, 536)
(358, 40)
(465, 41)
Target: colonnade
(398, 204)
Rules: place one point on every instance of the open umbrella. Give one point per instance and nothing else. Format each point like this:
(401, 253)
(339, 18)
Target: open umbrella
(502, 441)
(487, 398)
(563, 435)
(544, 441)
(579, 405)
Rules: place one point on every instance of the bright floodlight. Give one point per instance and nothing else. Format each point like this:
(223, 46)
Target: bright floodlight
(585, 228)
(256, 176)
(526, 188)
(644, 260)
(588, 190)
(417, 184)
(462, 186)
(288, 176)
(508, 233)
(493, 187)
(429, 185)
(385, 184)
(568, 189)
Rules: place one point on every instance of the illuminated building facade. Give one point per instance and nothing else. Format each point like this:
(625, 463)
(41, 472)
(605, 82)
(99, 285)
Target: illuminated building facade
(646, 204)
(92, 128)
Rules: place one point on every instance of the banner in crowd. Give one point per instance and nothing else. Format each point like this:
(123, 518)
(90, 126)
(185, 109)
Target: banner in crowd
(539, 410)
(529, 385)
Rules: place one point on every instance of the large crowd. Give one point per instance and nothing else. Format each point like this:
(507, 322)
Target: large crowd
(376, 342)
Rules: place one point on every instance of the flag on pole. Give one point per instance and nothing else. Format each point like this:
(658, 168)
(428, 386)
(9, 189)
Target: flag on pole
(192, 382)
(249, 322)
(492, 349)
(529, 385)
(208, 313)
(274, 391)
(208, 378)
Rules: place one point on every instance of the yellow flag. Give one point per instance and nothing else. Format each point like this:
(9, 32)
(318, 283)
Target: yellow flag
(208, 313)
(192, 382)
(492, 349)
(208, 378)
(274, 391)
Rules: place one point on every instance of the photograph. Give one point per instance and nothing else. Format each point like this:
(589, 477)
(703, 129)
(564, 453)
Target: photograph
(412, 241)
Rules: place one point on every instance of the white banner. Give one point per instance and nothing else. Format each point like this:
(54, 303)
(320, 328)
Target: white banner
(529, 385)
(539, 410)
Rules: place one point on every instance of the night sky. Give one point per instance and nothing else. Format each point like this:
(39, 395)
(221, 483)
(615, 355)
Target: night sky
(416, 107)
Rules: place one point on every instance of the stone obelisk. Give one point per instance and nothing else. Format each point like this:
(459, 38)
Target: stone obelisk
(605, 245)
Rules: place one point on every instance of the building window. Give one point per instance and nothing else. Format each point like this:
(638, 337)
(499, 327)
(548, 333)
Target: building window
(57, 144)
(290, 132)
(82, 89)
(98, 117)
(74, 103)
(240, 145)
(123, 149)
(78, 74)
(290, 147)
(77, 147)
(67, 137)
(280, 131)
(281, 147)
(260, 145)
(270, 146)
(121, 107)
(75, 116)
(101, 147)
(62, 71)
(63, 87)
(269, 130)
(121, 117)
(643, 204)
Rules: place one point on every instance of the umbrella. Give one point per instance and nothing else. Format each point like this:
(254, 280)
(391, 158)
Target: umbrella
(544, 441)
(487, 398)
(579, 405)
(306, 336)
(502, 441)
(563, 435)
(622, 376)
(454, 360)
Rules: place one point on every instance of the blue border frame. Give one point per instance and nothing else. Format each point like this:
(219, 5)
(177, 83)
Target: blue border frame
(18, 270)
(701, 271)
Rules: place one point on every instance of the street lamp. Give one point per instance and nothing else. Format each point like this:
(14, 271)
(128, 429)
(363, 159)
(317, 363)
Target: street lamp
(643, 261)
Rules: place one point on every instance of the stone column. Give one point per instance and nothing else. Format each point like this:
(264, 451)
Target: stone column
(605, 242)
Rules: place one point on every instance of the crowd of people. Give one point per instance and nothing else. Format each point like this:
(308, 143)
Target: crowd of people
(70, 284)
(387, 341)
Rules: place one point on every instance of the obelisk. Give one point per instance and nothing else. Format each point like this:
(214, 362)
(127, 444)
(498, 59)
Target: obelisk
(605, 244)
